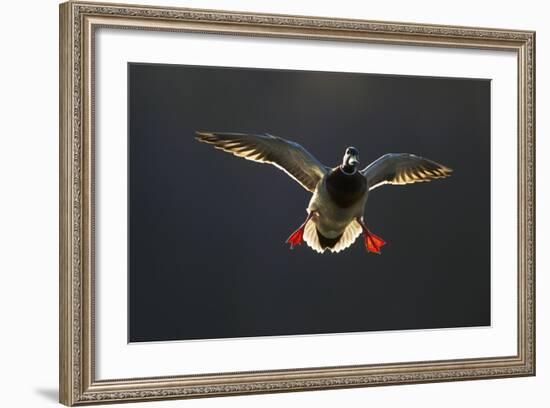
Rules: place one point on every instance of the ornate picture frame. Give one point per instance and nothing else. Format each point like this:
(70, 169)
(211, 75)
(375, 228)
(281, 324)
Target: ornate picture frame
(79, 22)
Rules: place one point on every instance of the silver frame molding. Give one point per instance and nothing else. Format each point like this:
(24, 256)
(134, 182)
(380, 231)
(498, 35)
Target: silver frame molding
(78, 22)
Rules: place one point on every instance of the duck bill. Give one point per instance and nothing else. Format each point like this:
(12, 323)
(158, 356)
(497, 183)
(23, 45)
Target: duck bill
(353, 160)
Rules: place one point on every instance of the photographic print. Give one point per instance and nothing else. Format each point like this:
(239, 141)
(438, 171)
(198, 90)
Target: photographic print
(259, 203)
(210, 235)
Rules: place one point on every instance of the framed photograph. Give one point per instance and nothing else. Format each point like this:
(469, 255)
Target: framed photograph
(380, 231)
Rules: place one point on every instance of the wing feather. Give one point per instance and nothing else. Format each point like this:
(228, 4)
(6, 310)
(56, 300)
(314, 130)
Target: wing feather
(284, 154)
(403, 168)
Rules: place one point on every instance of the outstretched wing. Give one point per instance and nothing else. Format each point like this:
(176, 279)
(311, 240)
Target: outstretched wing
(403, 168)
(288, 156)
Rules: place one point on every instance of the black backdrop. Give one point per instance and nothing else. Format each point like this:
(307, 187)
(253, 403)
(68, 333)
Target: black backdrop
(207, 230)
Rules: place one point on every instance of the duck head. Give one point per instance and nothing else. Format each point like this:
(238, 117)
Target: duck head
(350, 160)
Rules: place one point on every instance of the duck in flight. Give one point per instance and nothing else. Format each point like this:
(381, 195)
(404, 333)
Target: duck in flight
(335, 211)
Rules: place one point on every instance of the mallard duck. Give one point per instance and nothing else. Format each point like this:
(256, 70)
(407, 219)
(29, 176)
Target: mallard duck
(335, 211)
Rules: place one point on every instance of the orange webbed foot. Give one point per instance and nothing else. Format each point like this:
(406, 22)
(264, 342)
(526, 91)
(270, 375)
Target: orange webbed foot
(373, 242)
(297, 236)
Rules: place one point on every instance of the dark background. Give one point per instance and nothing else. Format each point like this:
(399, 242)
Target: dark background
(207, 230)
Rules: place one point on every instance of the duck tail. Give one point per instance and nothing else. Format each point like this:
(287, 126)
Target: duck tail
(319, 243)
(327, 243)
(352, 231)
